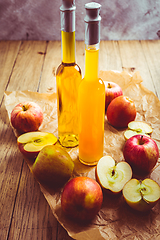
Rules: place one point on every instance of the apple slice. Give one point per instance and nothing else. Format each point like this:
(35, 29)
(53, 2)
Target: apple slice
(112, 176)
(31, 143)
(140, 126)
(130, 133)
(141, 195)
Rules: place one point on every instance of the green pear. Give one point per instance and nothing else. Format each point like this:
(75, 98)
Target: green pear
(53, 167)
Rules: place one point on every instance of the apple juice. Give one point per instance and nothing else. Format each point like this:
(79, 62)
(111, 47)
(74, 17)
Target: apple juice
(91, 105)
(91, 94)
(68, 77)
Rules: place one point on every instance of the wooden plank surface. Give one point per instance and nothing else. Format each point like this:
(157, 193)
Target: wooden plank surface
(8, 54)
(109, 57)
(151, 51)
(31, 65)
(132, 56)
(27, 70)
(51, 62)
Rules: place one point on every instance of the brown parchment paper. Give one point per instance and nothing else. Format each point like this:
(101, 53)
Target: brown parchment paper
(115, 220)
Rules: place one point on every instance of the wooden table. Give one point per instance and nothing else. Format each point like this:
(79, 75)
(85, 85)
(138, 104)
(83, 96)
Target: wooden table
(28, 65)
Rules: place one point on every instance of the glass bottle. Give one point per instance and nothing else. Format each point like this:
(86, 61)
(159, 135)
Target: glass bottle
(91, 95)
(68, 78)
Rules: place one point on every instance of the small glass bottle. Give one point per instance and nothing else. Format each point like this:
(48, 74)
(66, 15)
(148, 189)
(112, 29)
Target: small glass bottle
(68, 78)
(91, 95)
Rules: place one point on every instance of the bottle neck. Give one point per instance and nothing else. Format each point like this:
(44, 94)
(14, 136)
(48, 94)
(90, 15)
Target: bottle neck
(68, 47)
(91, 62)
(68, 31)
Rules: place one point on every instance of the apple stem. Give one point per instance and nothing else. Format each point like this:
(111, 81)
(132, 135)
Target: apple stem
(141, 140)
(109, 85)
(24, 108)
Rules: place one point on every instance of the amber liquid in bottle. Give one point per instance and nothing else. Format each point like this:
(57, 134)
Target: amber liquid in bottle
(91, 94)
(91, 111)
(68, 78)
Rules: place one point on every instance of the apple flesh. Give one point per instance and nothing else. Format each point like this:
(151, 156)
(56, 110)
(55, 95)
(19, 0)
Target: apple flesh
(142, 153)
(112, 176)
(26, 117)
(141, 195)
(31, 143)
(130, 133)
(121, 111)
(140, 126)
(81, 199)
(112, 90)
(53, 167)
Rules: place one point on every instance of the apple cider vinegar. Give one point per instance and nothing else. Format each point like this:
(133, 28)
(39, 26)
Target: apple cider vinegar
(91, 97)
(68, 78)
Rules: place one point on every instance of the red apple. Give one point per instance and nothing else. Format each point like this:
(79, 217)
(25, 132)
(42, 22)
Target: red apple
(26, 117)
(31, 143)
(81, 199)
(142, 153)
(112, 90)
(121, 111)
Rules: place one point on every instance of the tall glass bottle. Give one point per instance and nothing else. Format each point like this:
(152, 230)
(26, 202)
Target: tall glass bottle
(68, 78)
(91, 95)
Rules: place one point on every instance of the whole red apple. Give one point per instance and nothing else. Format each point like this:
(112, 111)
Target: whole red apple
(112, 90)
(142, 153)
(121, 111)
(26, 117)
(81, 199)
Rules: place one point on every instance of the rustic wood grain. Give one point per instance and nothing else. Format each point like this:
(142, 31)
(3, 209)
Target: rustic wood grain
(37, 220)
(133, 57)
(30, 65)
(8, 55)
(109, 56)
(27, 70)
(29, 216)
(51, 62)
(10, 173)
(151, 51)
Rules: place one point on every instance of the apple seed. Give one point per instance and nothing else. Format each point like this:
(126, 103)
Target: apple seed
(112, 176)
(143, 189)
(38, 140)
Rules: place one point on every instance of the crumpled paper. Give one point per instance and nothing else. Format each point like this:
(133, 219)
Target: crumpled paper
(115, 220)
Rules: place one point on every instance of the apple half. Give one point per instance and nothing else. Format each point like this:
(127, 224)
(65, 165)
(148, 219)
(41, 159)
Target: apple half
(137, 128)
(112, 176)
(140, 126)
(130, 133)
(141, 195)
(31, 143)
